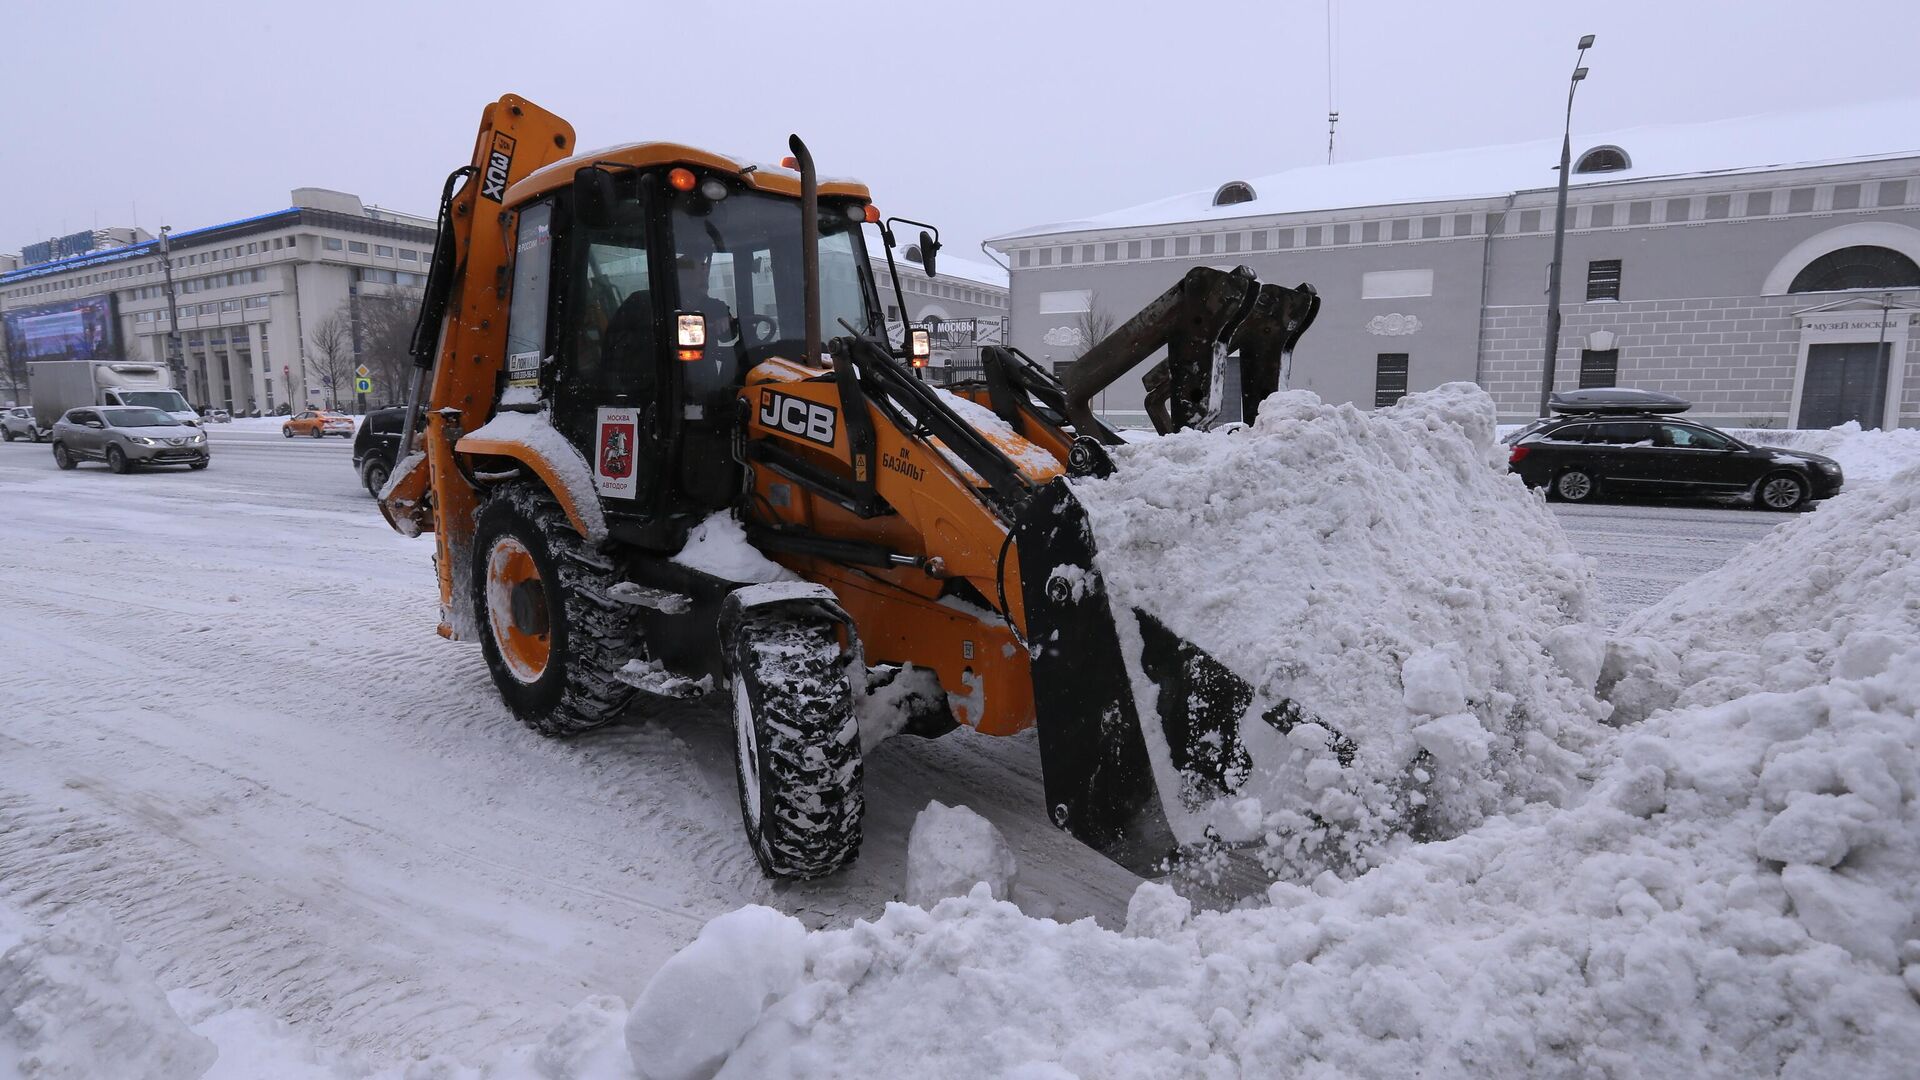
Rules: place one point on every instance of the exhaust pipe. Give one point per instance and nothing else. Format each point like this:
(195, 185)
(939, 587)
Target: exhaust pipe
(810, 243)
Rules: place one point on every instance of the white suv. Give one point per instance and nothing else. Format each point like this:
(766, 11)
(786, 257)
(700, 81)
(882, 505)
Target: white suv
(18, 423)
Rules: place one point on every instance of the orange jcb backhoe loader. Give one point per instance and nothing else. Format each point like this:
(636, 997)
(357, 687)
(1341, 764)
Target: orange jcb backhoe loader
(619, 348)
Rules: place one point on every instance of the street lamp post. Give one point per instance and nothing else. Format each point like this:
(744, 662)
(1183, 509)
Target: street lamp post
(176, 362)
(1560, 233)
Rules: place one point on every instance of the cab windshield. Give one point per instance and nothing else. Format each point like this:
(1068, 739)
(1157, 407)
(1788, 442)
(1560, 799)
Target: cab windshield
(738, 263)
(140, 418)
(170, 400)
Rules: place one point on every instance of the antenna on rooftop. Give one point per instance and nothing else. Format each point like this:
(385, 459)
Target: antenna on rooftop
(1333, 115)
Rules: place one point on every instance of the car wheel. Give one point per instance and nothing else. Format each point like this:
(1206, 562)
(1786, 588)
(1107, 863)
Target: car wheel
(6, 433)
(1781, 491)
(117, 460)
(61, 458)
(375, 477)
(1574, 485)
(286, 432)
(318, 434)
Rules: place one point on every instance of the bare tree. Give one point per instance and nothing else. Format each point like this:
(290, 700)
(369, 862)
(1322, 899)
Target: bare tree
(330, 353)
(1095, 324)
(386, 335)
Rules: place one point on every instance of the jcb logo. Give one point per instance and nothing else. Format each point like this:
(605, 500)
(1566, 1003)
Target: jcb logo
(808, 419)
(493, 184)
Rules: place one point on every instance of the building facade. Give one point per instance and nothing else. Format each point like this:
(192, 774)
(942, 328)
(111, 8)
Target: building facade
(964, 304)
(249, 296)
(1768, 269)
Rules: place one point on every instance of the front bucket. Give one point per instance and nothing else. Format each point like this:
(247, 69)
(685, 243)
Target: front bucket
(1139, 729)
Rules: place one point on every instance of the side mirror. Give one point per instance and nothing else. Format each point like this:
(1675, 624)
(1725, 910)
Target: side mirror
(593, 196)
(929, 247)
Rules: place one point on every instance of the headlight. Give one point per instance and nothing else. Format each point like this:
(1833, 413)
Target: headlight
(1829, 466)
(199, 438)
(144, 441)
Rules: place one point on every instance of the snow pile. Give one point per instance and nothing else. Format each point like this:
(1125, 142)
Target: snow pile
(718, 546)
(75, 1006)
(1384, 573)
(1831, 593)
(952, 849)
(1736, 895)
(1866, 457)
(700, 1003)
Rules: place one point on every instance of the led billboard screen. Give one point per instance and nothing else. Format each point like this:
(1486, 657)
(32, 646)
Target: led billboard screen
(75, 330)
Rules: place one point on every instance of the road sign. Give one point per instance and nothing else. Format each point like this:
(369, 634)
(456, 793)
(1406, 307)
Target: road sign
(363, 386)
(362, 372)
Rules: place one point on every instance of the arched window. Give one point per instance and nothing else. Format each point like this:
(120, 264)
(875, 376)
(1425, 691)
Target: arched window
(1236, 191)
(1863, 267)
(1603, 159)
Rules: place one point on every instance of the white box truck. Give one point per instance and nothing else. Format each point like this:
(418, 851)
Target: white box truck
(59, 385)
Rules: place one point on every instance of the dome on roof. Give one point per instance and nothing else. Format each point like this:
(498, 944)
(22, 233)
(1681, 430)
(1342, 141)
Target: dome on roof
(1233, 191)
(1603, 159)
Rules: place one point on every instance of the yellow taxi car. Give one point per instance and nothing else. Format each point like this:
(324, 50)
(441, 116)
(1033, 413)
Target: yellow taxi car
(318, 423)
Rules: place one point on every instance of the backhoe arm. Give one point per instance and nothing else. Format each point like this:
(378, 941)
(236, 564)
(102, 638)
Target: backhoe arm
(1200, 320)
(459, 344)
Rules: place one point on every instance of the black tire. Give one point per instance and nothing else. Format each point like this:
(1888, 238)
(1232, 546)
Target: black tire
(591, 638)
(374, 474)
(1574, 485)
(6, 433)
(117, 460)
(319, 434)
(286, 432)
(796, 743)
(1781, 492)
(62, 458)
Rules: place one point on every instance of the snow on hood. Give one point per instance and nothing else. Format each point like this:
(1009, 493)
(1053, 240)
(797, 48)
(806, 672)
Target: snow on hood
(1384, 573)
(1734, 896)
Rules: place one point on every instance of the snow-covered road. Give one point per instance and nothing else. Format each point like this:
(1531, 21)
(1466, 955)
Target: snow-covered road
(227, 719)
(1646, 551)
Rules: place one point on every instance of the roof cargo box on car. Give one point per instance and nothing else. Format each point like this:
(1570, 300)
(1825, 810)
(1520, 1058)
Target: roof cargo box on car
(1617, 399)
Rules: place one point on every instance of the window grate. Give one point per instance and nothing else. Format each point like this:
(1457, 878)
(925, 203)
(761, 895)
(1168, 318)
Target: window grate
(1599, 367)
(1389, 379)
(1603, 279)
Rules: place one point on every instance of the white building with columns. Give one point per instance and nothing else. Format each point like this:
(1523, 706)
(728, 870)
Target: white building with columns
(248, 295)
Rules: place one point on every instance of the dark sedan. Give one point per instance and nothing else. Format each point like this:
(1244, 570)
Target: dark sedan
(1577, 457)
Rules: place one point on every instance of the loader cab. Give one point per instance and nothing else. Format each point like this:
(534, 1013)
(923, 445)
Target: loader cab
(648, 294)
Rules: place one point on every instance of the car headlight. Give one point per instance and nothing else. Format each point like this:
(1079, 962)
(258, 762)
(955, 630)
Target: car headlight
(1830, 466)
(199, 438)
(143, 441)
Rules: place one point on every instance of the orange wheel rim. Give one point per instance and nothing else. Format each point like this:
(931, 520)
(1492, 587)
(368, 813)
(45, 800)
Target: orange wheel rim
(517, 610)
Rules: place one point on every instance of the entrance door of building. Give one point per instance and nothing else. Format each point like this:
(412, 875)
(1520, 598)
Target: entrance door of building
(1845, 381)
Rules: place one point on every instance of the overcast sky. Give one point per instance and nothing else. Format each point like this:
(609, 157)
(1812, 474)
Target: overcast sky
(982, 117)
